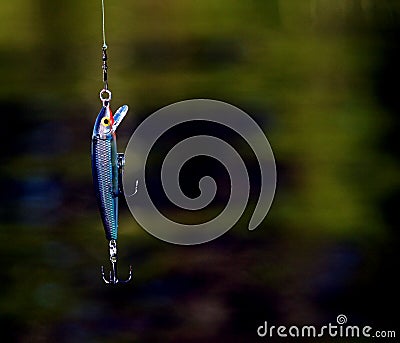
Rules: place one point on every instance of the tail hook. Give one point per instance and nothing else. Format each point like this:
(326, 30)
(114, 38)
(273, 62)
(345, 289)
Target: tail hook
(113, 279)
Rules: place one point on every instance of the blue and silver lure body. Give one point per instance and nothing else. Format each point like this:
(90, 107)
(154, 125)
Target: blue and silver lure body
(107, 167)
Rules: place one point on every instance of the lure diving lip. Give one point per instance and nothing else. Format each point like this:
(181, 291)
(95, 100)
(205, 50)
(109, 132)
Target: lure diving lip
(107, 166)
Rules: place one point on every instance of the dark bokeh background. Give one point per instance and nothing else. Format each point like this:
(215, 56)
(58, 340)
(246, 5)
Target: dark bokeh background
(321, 77)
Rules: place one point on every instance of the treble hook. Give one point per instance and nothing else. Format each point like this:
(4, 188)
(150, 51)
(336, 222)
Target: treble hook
(113, 273)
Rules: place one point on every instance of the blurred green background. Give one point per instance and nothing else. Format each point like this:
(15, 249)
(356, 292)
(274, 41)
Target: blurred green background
(321, 78)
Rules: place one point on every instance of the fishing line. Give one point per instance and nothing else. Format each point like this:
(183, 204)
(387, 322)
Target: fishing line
(105, 93)
(103, 24)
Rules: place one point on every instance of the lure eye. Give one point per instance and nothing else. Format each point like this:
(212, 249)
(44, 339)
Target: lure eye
(105, 121)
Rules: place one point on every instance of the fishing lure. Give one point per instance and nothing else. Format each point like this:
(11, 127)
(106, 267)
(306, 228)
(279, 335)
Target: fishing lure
(107, 167)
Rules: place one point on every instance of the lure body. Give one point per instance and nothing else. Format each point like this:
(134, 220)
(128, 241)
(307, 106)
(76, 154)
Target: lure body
(107, 167)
